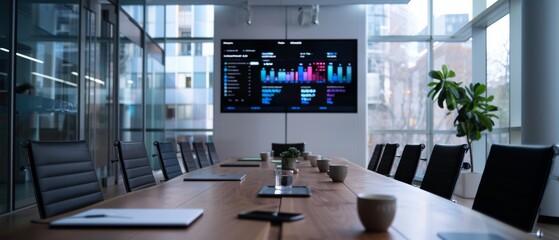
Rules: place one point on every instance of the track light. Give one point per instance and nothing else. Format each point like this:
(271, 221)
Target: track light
(315, 9)
(248, 9)
(308, 15)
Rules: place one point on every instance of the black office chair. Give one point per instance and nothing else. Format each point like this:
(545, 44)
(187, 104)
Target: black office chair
(375, 157)
(387, 159)
(443, 169)
(405, 172)
(513, 183)
(136, 170)
(63, 175)
(168, 159)
(278, 148)
(190, 164)
(201, 154)
(212, 152)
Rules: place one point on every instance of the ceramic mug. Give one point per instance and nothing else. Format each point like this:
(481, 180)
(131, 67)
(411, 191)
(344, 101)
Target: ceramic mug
(337, 172)
(376, 211)
(323, 164)
(313, 158)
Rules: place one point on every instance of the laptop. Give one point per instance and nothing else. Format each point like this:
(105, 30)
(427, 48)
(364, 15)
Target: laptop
(215, 177)
(131, 217)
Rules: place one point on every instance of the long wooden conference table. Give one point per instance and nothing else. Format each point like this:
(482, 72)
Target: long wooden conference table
(330, 212)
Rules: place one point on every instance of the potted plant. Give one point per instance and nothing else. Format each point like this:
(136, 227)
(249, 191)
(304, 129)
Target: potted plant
(289, 159)
(474, 111)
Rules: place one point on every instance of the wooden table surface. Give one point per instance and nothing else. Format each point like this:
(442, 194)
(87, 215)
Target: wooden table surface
(330, 213)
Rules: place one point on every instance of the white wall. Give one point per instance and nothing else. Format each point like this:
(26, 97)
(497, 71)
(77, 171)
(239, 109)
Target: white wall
(328, 134)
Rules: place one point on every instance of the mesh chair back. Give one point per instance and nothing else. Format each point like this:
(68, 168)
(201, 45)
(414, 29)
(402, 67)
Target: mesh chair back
(212, 152)
(513, 183)
(408, 163)
(375, 157)
(190, 164)
(63, 175)
(168, 159)
(136, 170)
(387, 159)
(443, 169)
(202, 154)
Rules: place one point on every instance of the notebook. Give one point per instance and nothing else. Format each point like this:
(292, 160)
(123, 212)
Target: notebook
(215, 177)
(240, 164)
(131, 217)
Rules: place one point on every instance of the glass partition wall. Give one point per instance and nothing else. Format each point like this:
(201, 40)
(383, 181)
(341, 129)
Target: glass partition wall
(72, 70)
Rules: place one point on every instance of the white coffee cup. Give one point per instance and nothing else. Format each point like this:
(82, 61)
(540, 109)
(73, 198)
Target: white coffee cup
(313, 158)
(376, 211)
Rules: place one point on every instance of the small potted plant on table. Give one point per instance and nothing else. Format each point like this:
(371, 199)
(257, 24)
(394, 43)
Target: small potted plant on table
(289, 159)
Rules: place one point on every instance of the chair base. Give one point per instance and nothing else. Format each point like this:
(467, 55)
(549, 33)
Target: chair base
(548, 219)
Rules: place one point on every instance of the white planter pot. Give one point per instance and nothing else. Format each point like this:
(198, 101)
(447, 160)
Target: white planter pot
(466, 186)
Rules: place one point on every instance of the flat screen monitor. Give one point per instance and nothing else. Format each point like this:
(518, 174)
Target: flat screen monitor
(289, 75)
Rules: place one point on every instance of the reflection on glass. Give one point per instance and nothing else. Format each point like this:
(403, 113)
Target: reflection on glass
(46, 84)
(396, 82)
(134, 8)
(130, 91)
(99, 62)
(5, 40)
(155, 105)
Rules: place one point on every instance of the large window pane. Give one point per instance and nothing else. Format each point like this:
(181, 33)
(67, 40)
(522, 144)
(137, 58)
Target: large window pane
(449, 16)
(458, 57)
(498, 71)
(396, 82)
(398, 19)
(47, 81)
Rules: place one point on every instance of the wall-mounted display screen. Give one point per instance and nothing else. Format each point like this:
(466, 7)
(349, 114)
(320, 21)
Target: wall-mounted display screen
(289, 75)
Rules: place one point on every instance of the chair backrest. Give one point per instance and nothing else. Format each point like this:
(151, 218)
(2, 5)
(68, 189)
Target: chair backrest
(513, 183)
(443, 169)
(201, 154)
(212, 152)
(387, 158)
(278, 148)
(167, 155)
(190, 164)
(136, 170)
(63, 175)
(375, 157)
(405, 172)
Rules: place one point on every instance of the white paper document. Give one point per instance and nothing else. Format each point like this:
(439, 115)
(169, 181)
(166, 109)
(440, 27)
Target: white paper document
(131, 217)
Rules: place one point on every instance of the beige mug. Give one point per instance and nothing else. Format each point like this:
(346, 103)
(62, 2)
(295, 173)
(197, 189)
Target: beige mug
(305, 155)
(337, 172)
(313, 158)
(264, 156)
(323, 164)
(376, 211)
